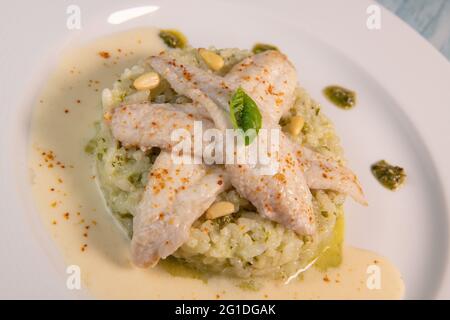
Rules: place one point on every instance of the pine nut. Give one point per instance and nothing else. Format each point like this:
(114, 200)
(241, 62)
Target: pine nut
(212, 59)
(219, 209)
(149, 80)
(295, 125)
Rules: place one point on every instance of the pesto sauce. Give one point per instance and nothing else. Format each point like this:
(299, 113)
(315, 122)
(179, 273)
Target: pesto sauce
(261, 47)
(341, 97)
(173, 38)
(91, 146)
(177, 268)
(107, 252)
(250, 285)
(391, 177)
(332, 249)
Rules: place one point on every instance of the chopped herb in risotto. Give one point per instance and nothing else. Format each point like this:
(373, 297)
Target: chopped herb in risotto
(224, 219)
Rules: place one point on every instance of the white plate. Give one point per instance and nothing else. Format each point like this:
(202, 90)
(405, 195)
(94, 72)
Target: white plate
(402, 115)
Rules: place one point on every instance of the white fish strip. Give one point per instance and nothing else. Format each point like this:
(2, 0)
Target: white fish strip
(176, 196)
(285, 197)
(150, 125)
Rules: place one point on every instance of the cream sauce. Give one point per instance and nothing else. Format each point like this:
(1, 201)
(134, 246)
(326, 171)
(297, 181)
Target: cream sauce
(73, 210)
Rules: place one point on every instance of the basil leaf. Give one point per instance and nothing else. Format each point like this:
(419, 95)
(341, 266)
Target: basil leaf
(244, 114)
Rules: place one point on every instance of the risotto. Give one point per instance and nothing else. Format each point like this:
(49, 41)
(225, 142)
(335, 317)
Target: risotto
(243, 244)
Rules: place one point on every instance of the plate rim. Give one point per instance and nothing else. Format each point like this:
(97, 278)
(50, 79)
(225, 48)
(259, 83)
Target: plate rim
(364, 52)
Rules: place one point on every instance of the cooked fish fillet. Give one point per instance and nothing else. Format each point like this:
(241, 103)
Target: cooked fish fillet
(176, 196)
(284, 197)
(323, 173)
(270, 79)
(151, 125)
(181, 80)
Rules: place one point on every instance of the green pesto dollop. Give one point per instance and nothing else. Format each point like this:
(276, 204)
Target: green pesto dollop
(173, 38)
(391, 177)
(261, 47)
(341, 97)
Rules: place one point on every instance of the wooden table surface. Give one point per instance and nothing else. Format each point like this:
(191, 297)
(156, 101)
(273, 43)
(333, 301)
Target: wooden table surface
(431, 18)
